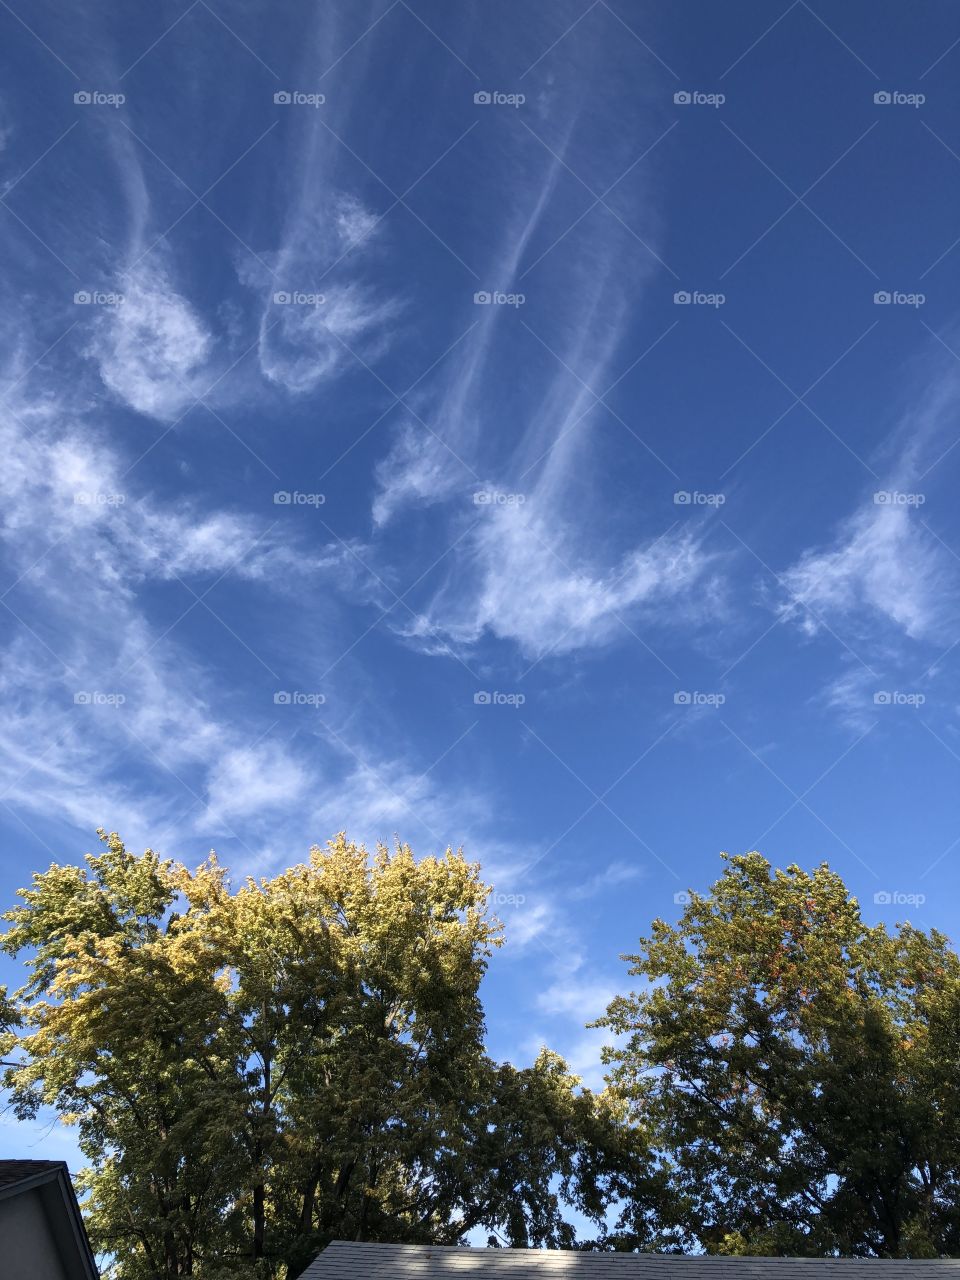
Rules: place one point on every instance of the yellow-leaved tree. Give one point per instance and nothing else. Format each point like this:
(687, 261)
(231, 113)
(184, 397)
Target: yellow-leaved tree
(257, 1070)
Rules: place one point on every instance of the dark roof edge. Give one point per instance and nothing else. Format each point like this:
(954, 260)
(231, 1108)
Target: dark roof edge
(60, 1174)
(72, 1206)
(49, 1174)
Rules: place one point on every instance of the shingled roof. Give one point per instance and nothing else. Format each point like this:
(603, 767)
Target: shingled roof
(344, 1260)
(14, 1174)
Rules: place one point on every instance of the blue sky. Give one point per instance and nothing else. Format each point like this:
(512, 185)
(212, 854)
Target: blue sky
(525, 427)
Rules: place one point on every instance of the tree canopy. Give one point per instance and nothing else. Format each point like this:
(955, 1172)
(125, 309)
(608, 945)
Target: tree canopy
(798, 1070)
(256, 1071)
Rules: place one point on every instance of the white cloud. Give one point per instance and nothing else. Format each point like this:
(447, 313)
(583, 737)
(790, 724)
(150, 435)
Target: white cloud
(617, 873)
(524, 924)
(581, 999)
(582, 1055)
(884, 565)
(302, 345)
(850, 696)
(151, 737)
(253, 780)
(419, 470)
(533, 586)
(354, 222)
(153, 349)
(576, 1001)
(179, 758)
(176, 758)
(61, 476)
(326, 250)
(541, 569)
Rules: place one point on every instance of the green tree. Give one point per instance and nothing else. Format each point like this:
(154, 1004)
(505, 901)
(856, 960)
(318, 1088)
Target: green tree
(255, 1071)
(797, 1071)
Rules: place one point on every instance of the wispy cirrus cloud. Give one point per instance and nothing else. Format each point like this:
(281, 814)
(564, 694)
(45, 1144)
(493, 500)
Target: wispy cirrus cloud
(536, 569)
(303, 345)
(114, 715)
(317, 306)
(111, 715)
(322, 308)
(63, 476)
(532, 585)
(153, 349)
(886, 566)
(424, 468)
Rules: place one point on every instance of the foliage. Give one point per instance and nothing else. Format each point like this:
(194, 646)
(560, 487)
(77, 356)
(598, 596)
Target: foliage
(254, 1072)
(798, 1071)
(257, 1070)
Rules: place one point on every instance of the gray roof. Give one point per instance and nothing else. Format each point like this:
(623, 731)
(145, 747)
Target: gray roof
(343, 1260)
(17, 1175)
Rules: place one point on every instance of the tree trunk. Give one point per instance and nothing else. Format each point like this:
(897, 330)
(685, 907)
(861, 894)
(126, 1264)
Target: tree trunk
(309, 1199)
(259, 1219)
